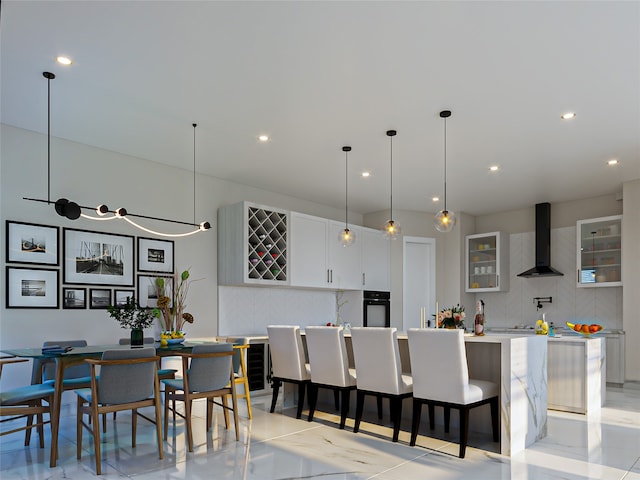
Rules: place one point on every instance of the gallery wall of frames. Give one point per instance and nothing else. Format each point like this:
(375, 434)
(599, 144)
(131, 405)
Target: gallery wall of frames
(54, 267)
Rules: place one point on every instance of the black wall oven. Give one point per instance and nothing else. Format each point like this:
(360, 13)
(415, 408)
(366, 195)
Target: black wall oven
(376, 308)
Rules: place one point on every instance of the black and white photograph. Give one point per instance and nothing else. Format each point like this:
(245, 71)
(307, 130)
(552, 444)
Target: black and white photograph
(155, 255)
(98, 258)
(32, 287)
(99, 298)
(74, 298)
(32, 243)
(147, 291)
(120, 297)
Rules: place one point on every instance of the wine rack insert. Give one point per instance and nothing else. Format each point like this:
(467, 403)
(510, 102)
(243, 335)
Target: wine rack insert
(267, 245)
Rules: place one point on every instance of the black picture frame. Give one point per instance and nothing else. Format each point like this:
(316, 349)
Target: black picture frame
(98, 258)
(146, 295)
(74, 298)
(120, 297)
(32, 243)
(32, 287)
(99, 298)
(155, 256)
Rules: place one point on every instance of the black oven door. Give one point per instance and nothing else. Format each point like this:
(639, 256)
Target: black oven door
(376, 309)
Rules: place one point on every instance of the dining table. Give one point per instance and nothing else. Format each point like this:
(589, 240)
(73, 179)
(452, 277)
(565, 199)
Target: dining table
(76, 356)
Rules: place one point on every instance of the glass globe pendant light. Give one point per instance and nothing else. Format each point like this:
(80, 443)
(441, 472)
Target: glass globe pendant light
(391, 229)
(445, 219)
(346, 236)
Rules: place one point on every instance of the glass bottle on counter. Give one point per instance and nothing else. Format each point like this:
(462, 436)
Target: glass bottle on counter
(478, 322)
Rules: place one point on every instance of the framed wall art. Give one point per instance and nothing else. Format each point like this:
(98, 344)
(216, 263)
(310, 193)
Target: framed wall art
(99, 298)
(98, 258)
(147, 294)
(155, 255)
(120, 297)
(74, 298)
(32, 243)
(32, 287)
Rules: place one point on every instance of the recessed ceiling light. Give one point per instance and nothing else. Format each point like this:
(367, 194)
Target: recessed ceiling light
(494, 168)
(613, 161)
(568, 116)
(64, 60)
(263, 138)
(365, 174)
(435, 199)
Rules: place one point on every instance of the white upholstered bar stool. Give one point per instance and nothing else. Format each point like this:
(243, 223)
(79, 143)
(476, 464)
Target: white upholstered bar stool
(329, 367)
(441, 378)
(288, 362)
(379, 371)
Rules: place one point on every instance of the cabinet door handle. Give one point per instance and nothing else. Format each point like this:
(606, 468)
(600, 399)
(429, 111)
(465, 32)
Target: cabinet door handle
(331, 276)
(328, 281)
(497, 281)
(363, 280)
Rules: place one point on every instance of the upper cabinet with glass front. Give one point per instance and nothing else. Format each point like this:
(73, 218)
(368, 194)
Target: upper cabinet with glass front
(487, 262)
(600, 252)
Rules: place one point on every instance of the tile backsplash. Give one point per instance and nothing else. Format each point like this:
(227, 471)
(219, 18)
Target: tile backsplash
(578, 305)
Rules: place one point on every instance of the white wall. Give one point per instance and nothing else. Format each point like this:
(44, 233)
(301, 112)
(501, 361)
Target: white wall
(90, 176)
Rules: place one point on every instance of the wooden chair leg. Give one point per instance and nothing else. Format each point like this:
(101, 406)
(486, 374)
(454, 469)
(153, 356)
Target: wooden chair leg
(274, 396)
(464, 430)
(134, 427)
(432, 415)
(187, 410)
(346, 394)
(313, 399)
(247, 396)
(166, 411)
(447, 419)
(415, 421)
(396, 416)
(359, 409)
(495, 417)
(301, 388)
(225, 410)
(95, 429)
(79, 429)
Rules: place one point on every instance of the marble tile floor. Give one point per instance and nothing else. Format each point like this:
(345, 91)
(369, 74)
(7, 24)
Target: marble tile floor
(276, 446)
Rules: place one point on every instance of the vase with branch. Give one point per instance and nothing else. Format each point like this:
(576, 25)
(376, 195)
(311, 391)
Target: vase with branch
(172, 304)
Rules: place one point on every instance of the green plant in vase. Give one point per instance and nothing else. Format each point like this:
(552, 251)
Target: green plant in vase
(172, 304)
(133, 317)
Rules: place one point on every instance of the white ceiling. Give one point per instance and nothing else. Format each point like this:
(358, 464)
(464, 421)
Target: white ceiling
(319, 75)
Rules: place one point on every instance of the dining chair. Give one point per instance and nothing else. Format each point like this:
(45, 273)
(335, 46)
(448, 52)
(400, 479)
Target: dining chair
(44, 369)
(207, 372)
(329, 366)
(25, 402)
(379, 371)
(163, 373)
(441, 378)
(128, 380)
(241, 375)
(288, 362)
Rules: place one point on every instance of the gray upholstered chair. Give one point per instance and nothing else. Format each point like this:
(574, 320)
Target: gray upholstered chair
(163, 373)
(128, 380)
(241, 376)
(25, 402)
(377, 359)
(288, 362)
(44, 369)
(448, 384)
(329, 367)
(207, 372)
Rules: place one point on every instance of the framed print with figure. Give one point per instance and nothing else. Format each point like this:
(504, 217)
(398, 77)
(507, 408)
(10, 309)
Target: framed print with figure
(32, 243)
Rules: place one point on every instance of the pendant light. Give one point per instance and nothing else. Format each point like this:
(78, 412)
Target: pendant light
(445, 220)
(346, 237)
(73, 211)
(391, 229)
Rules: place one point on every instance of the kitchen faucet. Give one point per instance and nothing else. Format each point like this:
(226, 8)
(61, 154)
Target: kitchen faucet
(541, 300)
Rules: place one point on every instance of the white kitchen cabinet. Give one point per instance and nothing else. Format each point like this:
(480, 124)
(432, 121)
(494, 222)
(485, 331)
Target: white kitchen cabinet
(599, 252)
(253, 245)
(487, 262)
(317, 258)
(376, 258)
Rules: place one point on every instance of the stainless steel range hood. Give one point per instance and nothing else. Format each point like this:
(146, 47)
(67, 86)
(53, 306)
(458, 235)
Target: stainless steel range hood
(543, 266)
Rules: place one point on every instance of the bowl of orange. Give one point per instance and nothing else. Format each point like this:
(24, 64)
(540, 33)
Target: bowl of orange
(585, 329)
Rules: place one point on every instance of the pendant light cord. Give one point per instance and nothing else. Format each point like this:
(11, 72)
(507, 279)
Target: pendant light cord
(346, 189)
(391, 178)
(445, 164)
(49, 77)
(194, 172)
